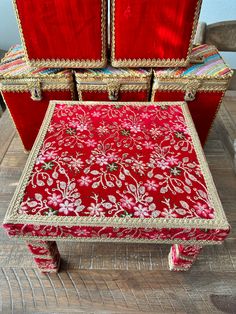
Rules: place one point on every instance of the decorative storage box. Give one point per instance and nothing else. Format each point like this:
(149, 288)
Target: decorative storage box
(202, 86)
(113, 84)
(127, 172)
(27, 92)
(63, 33)
(148, 33)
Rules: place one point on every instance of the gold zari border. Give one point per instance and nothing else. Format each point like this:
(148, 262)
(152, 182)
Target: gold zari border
(69, 63)
(13, 217)
(152, 62)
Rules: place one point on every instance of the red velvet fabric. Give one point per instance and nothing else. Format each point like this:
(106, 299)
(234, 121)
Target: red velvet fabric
(203, 108)
(61, 29)
(153, 28)
(112, 233)
(123, 96)
(28, 114)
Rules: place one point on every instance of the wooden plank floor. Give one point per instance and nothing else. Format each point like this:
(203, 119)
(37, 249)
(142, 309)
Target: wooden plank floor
(116, 278)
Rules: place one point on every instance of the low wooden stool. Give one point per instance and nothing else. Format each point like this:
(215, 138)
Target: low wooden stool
(122, 172)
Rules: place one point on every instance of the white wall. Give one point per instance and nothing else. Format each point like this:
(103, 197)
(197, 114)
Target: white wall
(216, 11)
(212, 11)
(9, 34)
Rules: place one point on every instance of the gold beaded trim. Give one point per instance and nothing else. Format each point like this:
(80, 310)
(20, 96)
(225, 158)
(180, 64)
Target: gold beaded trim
(219, 222)
(152, 62)
(69, 63)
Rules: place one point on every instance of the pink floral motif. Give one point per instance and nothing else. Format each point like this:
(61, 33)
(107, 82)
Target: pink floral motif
(203, 211)
(135, 128)
(155, 132)
(162, 164)
(84, 181)
(66, 207)
(82, 127)
(54, 199)
(91, 143)
(95, 210)
(102, 160)
(148, 145)
(50, 155)
(151, 185)
(172, 160)
(40, 159)
(141, 211)
(127, 202)
(102, 129)
(76, 163)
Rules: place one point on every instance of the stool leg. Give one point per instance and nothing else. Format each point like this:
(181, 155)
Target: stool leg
(46, 255)
(181, 257)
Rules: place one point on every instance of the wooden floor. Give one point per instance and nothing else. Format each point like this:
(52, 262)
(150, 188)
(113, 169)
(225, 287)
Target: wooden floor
(116, 278)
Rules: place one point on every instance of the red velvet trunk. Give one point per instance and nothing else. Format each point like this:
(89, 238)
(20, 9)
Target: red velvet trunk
(63, 33)
(116, 84)
(28, 114)
(153, 32)
(201, 85)
(203, 108)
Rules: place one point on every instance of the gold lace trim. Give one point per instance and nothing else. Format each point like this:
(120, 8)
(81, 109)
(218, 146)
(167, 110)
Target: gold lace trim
(152, 62)
(69, 63)
(219, 222)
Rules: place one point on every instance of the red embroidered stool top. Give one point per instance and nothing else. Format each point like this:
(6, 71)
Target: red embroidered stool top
(117, 172)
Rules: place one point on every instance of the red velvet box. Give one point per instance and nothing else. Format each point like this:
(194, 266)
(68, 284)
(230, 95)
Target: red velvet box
(148, 33)
(27, 92)
(116, 171)
(63, 33)
(119, 84)
(201, 85)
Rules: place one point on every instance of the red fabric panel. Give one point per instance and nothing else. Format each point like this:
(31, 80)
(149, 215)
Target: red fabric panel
(63, 29)
(28, 114)
(123, 96)
(203, 109)
(153, 28)
(109, 233)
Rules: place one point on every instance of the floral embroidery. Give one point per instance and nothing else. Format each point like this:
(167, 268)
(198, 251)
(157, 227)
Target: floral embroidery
(54, 199)
(66, 207)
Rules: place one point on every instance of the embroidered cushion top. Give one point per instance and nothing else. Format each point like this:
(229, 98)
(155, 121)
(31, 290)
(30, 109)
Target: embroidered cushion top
(113, 72)
(213, 66)
(14, 65)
